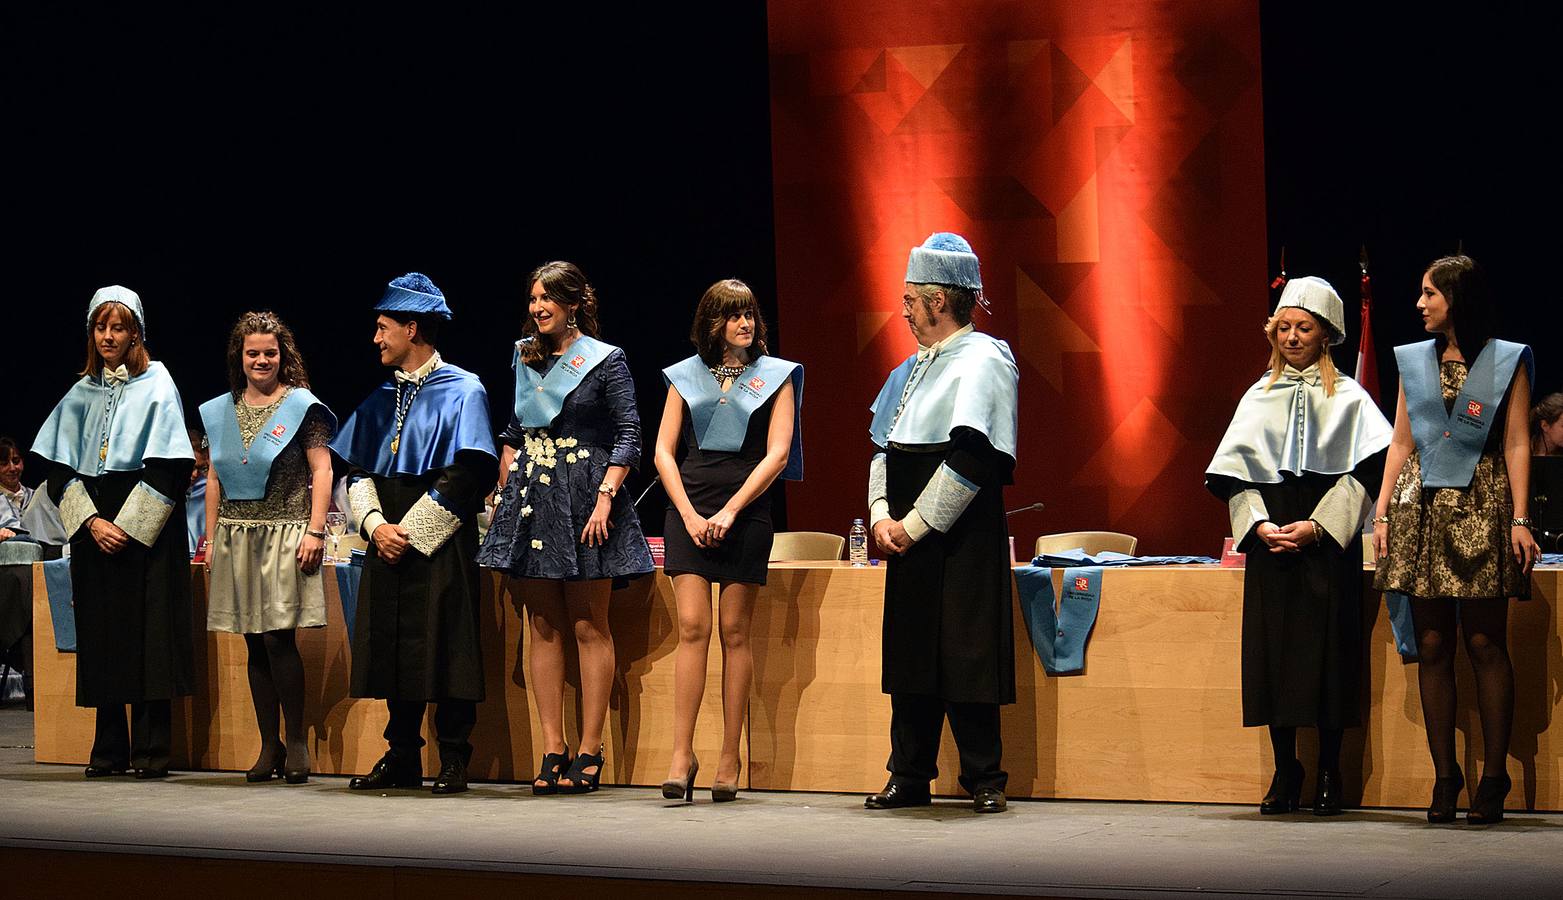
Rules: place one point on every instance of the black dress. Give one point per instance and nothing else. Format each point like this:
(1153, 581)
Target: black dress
(1303, 641)
(133, 611)
(949, 627)
(711, 478)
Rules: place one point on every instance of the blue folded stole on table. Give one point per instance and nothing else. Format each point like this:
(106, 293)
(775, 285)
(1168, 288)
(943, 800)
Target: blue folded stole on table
(1061, 559)
(57, 583)
(347, 577)
(1059, 636)
(1398, 606)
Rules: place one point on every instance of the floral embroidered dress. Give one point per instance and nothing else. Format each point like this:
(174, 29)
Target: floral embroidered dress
(551, 489)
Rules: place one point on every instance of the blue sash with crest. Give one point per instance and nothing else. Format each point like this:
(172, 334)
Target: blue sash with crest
(1450, 441)
(243, 472)
(1059, 636)
(540, 397)
(720, 421)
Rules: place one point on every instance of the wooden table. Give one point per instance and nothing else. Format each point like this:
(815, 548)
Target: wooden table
(1155, 716)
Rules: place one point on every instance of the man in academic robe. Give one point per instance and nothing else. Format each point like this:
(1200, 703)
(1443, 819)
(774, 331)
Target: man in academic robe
(944, 426)
(420, 458)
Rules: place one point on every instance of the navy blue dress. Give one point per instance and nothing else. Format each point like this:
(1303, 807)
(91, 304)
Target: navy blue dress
(536, 530)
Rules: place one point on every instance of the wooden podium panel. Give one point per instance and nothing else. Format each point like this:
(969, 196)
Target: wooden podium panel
(1156, 715)
(217, 729)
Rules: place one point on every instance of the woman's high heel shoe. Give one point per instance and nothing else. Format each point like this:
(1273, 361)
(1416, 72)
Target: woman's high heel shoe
(1487, 805)
(270, 765)
(296, 768)
(674, 788)
(1446, 798)
(726, 791)
(1285, 792)
(581, 781)
(553, 766)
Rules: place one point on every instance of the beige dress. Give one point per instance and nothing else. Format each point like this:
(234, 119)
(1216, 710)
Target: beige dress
(1454, 542)
(256, 585)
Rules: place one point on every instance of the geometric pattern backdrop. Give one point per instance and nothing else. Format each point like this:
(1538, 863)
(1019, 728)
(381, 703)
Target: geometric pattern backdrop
(1106, 162)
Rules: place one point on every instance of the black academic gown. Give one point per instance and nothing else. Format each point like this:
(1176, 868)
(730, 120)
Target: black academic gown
(133, 612)
(948, 625)
(416, 636)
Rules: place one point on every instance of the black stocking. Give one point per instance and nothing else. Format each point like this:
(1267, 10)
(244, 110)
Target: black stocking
(263, 693)
(1435, 626)
(287, 675)
(1283, 743)
(1485, 624)
(1329, 748)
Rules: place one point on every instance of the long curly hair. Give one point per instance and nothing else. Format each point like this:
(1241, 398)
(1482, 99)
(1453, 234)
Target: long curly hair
(290, 369)
(565, 284)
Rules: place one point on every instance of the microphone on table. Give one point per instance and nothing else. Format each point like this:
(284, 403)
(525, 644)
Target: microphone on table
(654, 480)
(1034, 506)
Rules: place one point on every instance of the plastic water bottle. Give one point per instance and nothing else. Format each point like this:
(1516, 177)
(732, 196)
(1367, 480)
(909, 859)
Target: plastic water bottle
(857, 543)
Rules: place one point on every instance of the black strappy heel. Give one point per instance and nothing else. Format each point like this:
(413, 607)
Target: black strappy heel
(580, 781)
(553, 766)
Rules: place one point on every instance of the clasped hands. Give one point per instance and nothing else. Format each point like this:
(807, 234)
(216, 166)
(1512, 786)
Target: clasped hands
(891, 537)
(708, 533)
(1287, 538)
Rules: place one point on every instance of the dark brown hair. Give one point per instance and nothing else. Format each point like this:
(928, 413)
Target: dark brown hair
(290, 368)
(136, 357)
(8, 447)
(728, 297)
(1464, 285)
(565, 284)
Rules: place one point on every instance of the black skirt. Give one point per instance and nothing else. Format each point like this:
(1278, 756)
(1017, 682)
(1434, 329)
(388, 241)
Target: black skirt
(711, 478)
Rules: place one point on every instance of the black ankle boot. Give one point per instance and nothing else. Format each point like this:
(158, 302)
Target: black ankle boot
(1285, 792)
(1326, 793)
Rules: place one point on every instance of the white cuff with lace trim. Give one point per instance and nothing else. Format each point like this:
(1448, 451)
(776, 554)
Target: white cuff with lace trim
(1247, 509)
(429, 525)
(143, 514)
(1343, 509)
(363, 500)
(76, 507)
(878, 505)
(944, 498)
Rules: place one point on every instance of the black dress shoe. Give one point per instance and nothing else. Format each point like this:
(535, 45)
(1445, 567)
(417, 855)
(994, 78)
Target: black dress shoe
(1285, 792)
(452, 778)
(390, 772)
(1487, 805)
(898, 796)
(149, 774)
(1326, 794)
(1446, 798)
(104, 771)
(989, 800)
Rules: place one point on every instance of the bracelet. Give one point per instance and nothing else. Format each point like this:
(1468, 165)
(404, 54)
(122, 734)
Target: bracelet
(315, 534)
(606, 488)
(1316, 529)
(1521, 522)
(1381, 520)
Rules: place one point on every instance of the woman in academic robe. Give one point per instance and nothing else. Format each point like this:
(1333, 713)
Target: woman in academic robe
(119, 464)
(730, 427)
(1452, 527)
(268, 488)
(1295, 467)
(562, 530)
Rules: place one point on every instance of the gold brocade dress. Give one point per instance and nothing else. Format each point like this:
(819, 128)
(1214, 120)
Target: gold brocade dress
(256, 585)
(1454, 542)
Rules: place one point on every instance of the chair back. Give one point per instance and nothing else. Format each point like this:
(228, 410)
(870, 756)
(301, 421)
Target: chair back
(1092, 542)
(807, 545)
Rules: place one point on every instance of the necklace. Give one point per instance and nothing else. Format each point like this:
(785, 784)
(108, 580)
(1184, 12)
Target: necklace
(402, 410)
(723, 373)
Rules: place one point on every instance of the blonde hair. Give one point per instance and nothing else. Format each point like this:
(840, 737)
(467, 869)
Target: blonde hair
(1327, 370)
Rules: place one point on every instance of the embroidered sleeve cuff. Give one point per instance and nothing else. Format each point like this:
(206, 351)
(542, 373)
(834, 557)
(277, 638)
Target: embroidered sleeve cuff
(916, 527)
(76, 507)
(363, 500)
(1343, 509)
(943, 499)
(1247, 509)
(143, 514)
(429, 525)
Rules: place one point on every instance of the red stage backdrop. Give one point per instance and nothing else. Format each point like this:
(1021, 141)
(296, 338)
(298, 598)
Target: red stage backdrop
(1106, 161)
